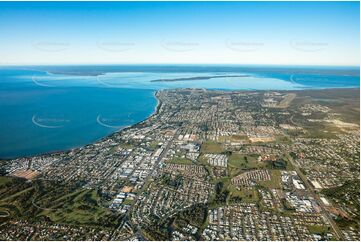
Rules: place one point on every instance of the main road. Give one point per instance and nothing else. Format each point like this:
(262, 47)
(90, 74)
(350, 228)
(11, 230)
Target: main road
(311, 189)
(138, 232)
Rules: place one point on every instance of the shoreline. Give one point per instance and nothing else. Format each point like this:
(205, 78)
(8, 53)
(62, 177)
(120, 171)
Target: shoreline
(54, 152)
(156, 112)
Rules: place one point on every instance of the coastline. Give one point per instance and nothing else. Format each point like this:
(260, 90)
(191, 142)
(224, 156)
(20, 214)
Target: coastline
(156, 112)
(54, 152)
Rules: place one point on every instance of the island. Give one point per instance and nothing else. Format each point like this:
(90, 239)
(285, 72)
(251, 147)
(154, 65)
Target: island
(195, 78)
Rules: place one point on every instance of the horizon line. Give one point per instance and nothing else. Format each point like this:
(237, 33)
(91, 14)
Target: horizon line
(179, 64)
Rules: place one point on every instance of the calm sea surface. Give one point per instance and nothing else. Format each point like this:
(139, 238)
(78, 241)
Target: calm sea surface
(43, 112)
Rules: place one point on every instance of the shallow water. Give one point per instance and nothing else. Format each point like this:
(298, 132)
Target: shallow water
(42, 112)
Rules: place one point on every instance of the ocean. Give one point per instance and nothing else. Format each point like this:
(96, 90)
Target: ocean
(52, 108)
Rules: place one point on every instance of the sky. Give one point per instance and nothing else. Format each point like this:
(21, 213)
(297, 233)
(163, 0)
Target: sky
(277, 33)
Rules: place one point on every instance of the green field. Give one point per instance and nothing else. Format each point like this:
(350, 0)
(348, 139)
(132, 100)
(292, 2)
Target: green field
(275, 181)
(58, 202)
(180, 160)
(211, 147)
(154, 144)
(79, 207)
(244, 161)
(314, 229)
(4, 180)
(246, 195)
(282, 139)
(321, 133)
(233, 138)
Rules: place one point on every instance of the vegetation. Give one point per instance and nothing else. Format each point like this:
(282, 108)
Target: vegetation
(244, 161)
(196, 215)
(345, 196)
(82, 208)
(275, 181)
(221, 194)
(233, 138)
(172, 181)
(211, 147)
(242, 195)
(4, 180)
(314, 229)
(46, 200)
(154, 145)
(180, 160)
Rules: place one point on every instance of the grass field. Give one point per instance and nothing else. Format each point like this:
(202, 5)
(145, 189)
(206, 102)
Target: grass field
(211, 147)
(287, 157)
(154, 144)
(314, 229)
(82, 208)
(247, 195)
(179, 160)
(244, 161)
(233, 138)
(4, 180)
(233, 171)
(239, 162)
(282, 139)
(275, 181)
(61, 203)
(244, 195)
(321, 133)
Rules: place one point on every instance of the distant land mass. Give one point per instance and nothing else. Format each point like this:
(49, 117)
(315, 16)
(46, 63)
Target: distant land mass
(97, 70)
(196, 78)
(123, 95)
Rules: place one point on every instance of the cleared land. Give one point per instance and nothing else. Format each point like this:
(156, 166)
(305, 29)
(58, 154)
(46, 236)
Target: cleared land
(211, 147)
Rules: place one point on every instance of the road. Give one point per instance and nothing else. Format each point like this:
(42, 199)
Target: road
(311, 190)
(138, 232)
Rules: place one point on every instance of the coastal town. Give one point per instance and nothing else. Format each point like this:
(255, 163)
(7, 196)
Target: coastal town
(207, 165)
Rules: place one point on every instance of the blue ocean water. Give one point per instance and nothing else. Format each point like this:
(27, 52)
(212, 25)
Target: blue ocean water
(43, 112)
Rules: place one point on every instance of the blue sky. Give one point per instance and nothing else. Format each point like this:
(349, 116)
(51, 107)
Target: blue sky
(290, 33)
